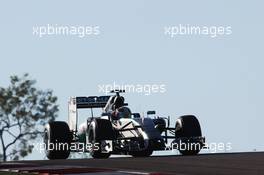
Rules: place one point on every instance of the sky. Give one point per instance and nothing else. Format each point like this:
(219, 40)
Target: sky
(220, 79)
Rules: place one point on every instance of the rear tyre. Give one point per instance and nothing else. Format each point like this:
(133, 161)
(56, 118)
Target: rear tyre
(99, 130)
(188, 127)
(57, 139)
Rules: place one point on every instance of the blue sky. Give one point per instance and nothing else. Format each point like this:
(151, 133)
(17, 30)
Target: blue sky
(220, 80)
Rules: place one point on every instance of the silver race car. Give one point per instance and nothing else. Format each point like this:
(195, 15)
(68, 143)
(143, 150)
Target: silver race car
(119, 131)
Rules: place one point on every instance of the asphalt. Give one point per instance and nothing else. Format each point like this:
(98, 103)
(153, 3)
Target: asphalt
(218, 164)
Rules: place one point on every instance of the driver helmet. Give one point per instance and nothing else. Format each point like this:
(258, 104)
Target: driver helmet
(122, 112)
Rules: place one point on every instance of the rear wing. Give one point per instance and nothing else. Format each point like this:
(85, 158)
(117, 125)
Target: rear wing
(91, 102)
(83, 102)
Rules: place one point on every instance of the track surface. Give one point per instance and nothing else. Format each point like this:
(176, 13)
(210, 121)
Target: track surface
(232, 163)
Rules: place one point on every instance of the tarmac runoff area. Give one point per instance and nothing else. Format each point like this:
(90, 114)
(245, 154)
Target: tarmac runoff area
(249, 163)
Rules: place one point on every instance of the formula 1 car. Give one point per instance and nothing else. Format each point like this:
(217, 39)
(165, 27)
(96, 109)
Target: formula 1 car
(119, 131)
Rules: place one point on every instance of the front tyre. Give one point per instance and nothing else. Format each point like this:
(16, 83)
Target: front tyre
(100, 130)
(144, 153)
(187, 133)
